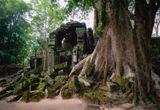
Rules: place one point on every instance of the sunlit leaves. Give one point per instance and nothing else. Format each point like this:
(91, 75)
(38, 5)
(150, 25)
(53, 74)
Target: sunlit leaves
(81, 4)
(14, 31)
(48, 16)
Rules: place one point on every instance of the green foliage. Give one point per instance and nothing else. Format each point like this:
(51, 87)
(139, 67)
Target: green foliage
(18, 20)
(71, 85)
(14, 31)
(129, 2)
(47, 16)
(82, 4)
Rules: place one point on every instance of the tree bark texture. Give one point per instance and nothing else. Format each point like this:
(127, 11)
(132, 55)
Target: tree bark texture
(123, 51)
(108, 57)
(144, 21)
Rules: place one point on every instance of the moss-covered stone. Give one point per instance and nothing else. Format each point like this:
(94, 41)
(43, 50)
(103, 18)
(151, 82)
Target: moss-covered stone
(122, 83)
(58, 82)
(61, 72)
(50, 93)
(71, 85)
(61, 78)
(32, 96)
(49, 81)
(67, 93)
(42, 84)
(97, 96)
(76, 86)
(25, 96)
(37, 96)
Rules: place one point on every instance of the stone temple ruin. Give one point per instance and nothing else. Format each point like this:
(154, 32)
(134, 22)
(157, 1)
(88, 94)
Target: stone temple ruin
(72, 42)
(69, 44)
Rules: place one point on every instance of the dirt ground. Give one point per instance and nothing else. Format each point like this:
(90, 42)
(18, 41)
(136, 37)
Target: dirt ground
(61, 104)
(46, 104)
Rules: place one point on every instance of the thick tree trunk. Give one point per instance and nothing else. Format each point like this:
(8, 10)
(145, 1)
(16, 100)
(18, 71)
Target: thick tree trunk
(144, 20)
(108, 57)
(122, 52)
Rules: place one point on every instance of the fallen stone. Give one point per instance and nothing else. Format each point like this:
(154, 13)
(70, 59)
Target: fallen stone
(13, 98)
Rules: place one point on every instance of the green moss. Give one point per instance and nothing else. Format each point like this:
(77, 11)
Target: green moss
(56, 85)
(89, 69)
(25, 97)
(32, 96)
(99, 31)
(97, 96)
(123, 83)
(61, 78)
(42, 84)
(58, 82)
(60, 66)
(52, 90)
(71, 85)
(67, 93)
(37, 96)
(75, 88)
(72, 88)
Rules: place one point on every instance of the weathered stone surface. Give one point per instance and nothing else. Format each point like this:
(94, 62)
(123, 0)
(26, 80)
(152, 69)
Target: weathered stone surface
(32, 96)
(13, 98)
(70, 37)
(96, 96)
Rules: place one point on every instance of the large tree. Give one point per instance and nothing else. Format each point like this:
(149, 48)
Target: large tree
(124, 49)
(14, 31)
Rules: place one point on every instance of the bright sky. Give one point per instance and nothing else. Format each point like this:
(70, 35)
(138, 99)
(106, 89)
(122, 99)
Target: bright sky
(88, 20)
